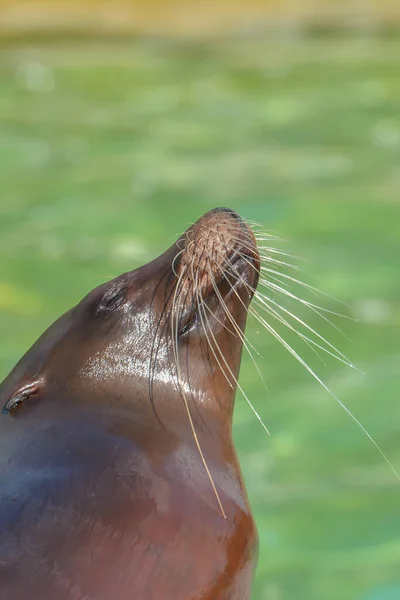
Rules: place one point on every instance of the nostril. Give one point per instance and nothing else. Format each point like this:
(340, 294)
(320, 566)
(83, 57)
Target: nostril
(228, 211)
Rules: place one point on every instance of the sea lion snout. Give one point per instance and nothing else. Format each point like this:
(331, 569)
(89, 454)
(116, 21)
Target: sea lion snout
(220, 245)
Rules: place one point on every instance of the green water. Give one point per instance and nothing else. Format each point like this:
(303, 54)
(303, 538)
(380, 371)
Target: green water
(110, 149)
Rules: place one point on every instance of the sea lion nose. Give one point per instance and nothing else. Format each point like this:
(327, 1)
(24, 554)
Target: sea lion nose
(220, 221)
(228, 212)
(226, 228)
(224, 209)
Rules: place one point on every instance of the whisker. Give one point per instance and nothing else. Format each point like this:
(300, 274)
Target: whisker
(241, 334)
(175, 329)
(266, 299)
(305, 285)
(314, 307)
(326, 388)
(267, 283)
(208, 330)
(340, 356)
(277, 275)
(262, 249)
(227, 312)
(309, 341)
(261, 302)
(201, 303)
(293, 352)
(175, 259)
(264, 253)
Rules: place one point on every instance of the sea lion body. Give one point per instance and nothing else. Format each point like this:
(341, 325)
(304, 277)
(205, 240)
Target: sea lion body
(106, 489)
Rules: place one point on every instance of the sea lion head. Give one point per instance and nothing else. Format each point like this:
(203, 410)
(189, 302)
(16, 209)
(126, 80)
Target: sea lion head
(157, 338)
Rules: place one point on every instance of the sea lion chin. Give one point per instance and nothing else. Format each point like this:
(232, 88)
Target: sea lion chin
(119, 477)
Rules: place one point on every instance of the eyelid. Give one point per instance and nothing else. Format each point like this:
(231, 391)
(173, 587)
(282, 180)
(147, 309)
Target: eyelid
(190, 323)
(112, 300)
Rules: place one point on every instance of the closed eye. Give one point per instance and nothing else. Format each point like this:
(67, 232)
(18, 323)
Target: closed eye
(188, 324)
(112, 300)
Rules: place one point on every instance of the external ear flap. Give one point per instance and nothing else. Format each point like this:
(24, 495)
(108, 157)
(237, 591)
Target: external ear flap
(23, 393)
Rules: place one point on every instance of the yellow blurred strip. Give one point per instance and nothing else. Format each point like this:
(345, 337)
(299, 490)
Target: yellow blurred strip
(186, 17)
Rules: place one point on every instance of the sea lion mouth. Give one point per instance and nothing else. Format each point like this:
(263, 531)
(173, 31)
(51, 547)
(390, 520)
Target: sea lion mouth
(218, 264)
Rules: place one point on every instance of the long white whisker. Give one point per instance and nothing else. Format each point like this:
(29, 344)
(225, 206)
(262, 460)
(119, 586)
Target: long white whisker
(313, 307)
(336, 353)
(313, 374)
(175, 259)
(303, 284)
(263, 304)
(225, 361)
(265, 300)
(309, 341)
(242, 336)
(175, 328)
(207, 332)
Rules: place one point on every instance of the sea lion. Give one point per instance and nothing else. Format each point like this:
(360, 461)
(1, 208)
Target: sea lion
(118, 473)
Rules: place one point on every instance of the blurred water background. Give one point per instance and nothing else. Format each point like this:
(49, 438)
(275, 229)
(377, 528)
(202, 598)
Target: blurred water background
(121, 123)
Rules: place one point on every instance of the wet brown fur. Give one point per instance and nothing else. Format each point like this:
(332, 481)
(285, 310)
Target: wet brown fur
(119, 477)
